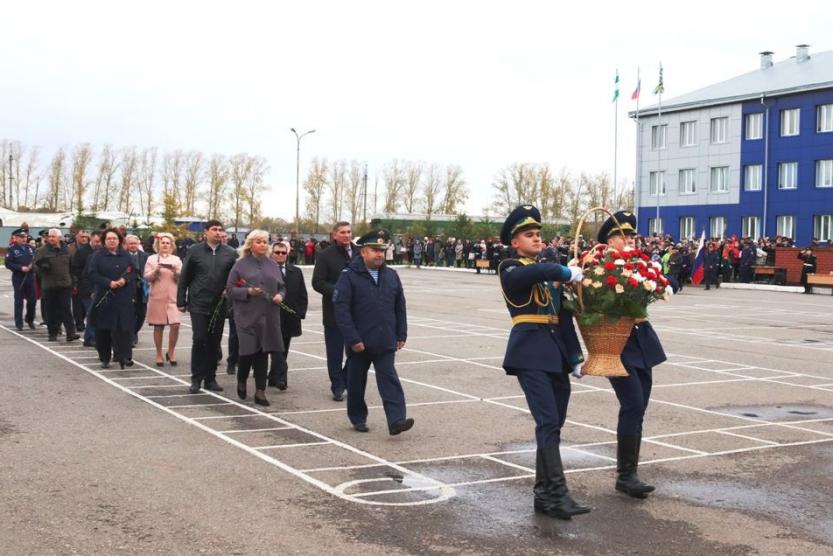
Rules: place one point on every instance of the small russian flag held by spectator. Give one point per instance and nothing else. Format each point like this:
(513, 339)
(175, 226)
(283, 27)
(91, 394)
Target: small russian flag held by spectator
(698, 269)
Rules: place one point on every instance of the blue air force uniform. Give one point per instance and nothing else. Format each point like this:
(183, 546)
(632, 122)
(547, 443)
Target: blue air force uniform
(642, 352)
(542, 350)
(370, 309)
(23, 283)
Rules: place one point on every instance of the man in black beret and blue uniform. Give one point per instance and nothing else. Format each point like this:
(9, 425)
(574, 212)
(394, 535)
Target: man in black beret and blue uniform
(369, 306)
(19, 260)
(543, 349)
(642, 352)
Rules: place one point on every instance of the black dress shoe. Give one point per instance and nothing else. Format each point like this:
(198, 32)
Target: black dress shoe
(72, 337)
(52, 339)
(282, 386)
(128, 363)
(105, 364)
(31, 324)
(361, 427)
(19, 328)
(79, 327)
(338, 397)
(213, 386)
(260, 398)
(230, 370)
(241, 389)
(87, 344)
(401, 426)
(194, 388)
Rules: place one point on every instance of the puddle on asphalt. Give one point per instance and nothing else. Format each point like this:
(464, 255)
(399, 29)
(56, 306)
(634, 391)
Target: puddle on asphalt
(778, 413)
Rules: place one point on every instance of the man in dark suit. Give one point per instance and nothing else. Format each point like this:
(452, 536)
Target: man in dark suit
(747, 261)
(296, 309)
(328, 266)
(132, 244)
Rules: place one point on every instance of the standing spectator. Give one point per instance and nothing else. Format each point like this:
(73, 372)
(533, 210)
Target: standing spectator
(162, 273)
(52, 266)
(296, 300)
(309, 251)
(294, 249)
(808, 266)
(133, 247)
(418, 252)
(232, 241)
(370, 311)
(19, 260)
(458, 253)
(747, 261)
(256, 289)
(711, 266)
(200, 292)
(328, 267)
(85, 286)
(82, 239)
(389, 253)
(114, 275)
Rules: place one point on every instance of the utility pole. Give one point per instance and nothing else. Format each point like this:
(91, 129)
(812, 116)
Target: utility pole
(364, 195)
(11, 199)
(298, 175)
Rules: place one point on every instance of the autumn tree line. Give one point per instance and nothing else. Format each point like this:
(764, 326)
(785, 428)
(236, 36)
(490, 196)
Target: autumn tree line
(84, 180)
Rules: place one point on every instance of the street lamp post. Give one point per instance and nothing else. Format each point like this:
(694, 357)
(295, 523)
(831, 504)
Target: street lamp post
(298, 175)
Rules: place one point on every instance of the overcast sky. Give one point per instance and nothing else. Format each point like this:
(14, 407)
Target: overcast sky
(479, 84)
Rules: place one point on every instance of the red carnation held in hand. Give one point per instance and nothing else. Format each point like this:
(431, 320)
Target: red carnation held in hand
(612, 281)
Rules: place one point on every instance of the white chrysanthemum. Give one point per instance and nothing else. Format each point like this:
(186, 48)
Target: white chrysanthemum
(656, 265)
(599, 270)
(619, 288)
(627, 273)
(597, 285)
(619, 262)
(586, 282)
(649, 285)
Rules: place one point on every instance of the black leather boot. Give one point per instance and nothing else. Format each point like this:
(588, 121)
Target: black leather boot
(627, 460)
(551, 495)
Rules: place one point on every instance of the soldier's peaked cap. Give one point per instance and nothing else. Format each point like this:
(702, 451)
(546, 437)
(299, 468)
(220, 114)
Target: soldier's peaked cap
(627, 225)
(374, 238)
(522, 218)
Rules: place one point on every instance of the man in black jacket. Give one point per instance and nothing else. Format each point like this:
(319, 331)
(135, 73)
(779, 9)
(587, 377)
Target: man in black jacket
(202, 283)
(82, 282)
(328, 266)
(296, 300)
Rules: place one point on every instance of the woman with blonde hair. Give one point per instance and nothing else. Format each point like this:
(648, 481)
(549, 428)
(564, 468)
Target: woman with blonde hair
(162, 273)
(256, 288)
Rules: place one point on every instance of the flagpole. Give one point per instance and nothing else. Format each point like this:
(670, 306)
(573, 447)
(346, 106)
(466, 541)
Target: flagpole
(615, 149)
(659, 150)
(638, 183)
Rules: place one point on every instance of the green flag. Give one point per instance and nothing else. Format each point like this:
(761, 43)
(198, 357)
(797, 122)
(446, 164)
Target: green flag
(616, 84)
(660, 88)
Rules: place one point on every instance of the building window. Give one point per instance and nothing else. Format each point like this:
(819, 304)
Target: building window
(750, 226)
(719, 179)
(754, 126)
(752, 177)
(824, 173)
(717, 226)
(788, 175)
(789, 122)
(686, 227)
(824, 118)
(785, 226)
(687, 181)
(655, 225)
(688, 134)
(823, 227)
(658, 136)
(719, 130)
(657, 183)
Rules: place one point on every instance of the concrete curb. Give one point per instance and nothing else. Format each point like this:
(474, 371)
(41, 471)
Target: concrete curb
(763, 287)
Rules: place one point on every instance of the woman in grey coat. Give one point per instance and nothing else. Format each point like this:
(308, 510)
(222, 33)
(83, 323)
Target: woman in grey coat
(256, 289)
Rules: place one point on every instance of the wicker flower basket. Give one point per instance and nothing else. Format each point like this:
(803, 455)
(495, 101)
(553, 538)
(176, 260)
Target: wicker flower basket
(604, 340)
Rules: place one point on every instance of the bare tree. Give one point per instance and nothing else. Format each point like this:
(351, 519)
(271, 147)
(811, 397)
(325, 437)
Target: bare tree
(82, 156)
(193, 175)
(410, 189)
(515, 185)
(147, 180)
(217, 179)
(394, 179)
(314, 186)
(255, 187)
(16, 150)
(5, 190)
(353, 190)
(335, 185)
(598, 192)
(105, 183)
(455, 192)
(240, 168)
(129, 178)
(562, 192)
(173, 167)
(57, 177)
(31, 178)
(544, 185)
(431, 187)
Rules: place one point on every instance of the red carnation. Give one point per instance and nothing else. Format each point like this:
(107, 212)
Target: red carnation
(600, 247)
(240, 282)
(644, 257)
(633, 282)
(129, 268)
(609, 265)
(628, 266)
(612, 281)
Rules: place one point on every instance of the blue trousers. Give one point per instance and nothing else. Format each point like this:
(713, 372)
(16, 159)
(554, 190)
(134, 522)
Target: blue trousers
(547, 395)
(334, 342)
(633, 392)
(390, 389)
(24, 290)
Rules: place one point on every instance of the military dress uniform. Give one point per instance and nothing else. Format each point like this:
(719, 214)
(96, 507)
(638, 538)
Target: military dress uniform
(371, 310)
(23, 283)
(642, 352)
(543, 349)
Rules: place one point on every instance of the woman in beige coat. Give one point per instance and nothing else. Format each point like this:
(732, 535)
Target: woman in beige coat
(162, 273)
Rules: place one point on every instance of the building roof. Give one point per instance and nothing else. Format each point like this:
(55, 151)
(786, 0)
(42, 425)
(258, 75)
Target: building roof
(785, 77)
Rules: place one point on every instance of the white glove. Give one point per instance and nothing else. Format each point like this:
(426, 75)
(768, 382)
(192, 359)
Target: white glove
(576, 275)
(669, 290)
(577, 370)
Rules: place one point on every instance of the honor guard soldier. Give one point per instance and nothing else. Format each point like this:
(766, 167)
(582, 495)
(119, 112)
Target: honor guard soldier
(642, 352)
(369, 308)
(19, 261)
(543, 349)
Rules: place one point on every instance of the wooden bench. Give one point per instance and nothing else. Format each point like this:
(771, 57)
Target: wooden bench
(771, 271)
(821, 281)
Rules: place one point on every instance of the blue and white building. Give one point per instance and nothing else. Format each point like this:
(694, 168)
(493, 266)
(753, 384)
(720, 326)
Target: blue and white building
(751, 156)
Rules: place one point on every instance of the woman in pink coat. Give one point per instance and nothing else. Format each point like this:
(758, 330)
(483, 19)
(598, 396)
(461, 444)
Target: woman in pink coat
(162, 273)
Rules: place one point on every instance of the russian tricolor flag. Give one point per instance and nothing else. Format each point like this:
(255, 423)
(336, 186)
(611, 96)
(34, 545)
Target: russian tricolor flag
(698, 270)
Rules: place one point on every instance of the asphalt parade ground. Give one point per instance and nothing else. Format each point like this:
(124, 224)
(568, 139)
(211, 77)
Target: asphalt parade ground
(738, 440)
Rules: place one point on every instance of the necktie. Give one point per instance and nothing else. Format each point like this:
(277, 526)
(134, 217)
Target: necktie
(283, 270)
(349, 253)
